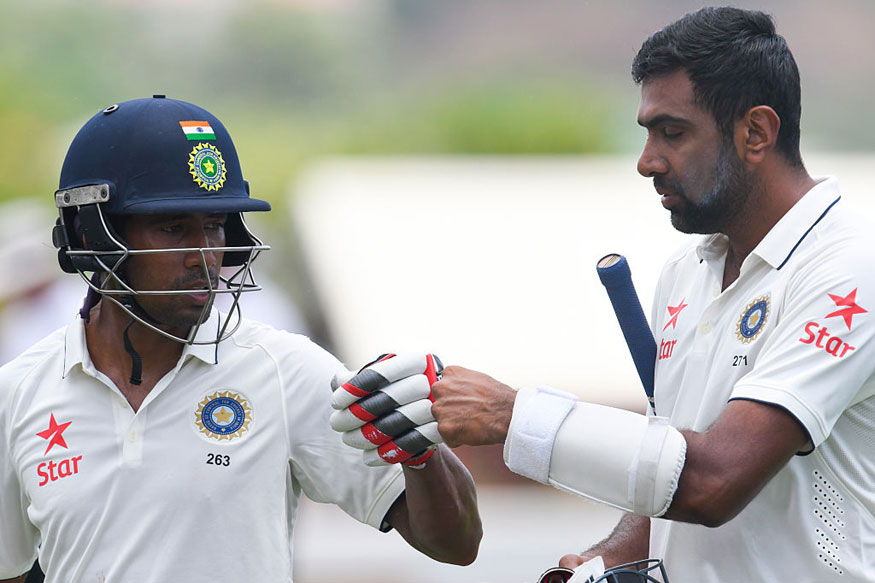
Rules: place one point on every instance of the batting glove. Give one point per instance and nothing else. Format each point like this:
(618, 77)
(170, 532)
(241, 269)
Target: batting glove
(385, 409)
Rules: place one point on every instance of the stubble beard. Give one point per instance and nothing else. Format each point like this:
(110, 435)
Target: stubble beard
(165, 311)
(722, 205)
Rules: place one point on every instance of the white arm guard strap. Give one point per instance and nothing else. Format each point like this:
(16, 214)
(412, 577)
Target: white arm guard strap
(609, 455)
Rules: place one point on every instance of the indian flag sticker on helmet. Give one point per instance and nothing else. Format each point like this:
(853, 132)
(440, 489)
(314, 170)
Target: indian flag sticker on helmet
(197, 130)
(207, 167)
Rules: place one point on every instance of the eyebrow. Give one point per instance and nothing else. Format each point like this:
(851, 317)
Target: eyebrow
(662, 118)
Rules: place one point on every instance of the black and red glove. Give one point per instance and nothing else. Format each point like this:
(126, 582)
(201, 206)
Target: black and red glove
(385, 409)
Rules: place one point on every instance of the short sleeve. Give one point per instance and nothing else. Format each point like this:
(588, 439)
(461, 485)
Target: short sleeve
(821, 357)
(327, 469)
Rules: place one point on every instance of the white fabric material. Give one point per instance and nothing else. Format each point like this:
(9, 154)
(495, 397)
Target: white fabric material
(149, 496)
(815, 520)
(537, 415)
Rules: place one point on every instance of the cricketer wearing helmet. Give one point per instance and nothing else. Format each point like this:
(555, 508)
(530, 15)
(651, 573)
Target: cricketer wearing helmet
(155, 438)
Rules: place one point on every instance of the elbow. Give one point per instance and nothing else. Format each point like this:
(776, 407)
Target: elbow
(462, 550)
(459, 554)
(472, 549)
(713, 518)
(712, 504)
(465, 559)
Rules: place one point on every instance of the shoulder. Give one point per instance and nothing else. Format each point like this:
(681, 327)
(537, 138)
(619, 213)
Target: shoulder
(31, 364)
(49, 347)
(687, 251)
(292, 353)
(843, 243)
(847, 223)
(683, 257)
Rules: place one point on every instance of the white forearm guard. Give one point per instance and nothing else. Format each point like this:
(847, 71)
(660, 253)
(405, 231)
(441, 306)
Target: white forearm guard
(609, 455)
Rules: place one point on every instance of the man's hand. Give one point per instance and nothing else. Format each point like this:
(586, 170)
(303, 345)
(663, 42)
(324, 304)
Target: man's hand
(629, 541)
(471, 408)
(385, 409)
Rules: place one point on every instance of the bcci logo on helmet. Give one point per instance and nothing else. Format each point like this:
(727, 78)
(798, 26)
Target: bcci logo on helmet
(207, 167)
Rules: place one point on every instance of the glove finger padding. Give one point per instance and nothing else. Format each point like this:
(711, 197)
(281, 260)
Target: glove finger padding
(387, 399)
(341, 377)
(383, 372)
(412, 448)
(395, 423)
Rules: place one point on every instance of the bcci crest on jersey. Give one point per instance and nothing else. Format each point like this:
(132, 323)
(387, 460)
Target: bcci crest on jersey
(753, 319)
(223, 415)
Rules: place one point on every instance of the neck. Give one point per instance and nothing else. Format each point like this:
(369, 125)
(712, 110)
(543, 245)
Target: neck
(104, 336)
(776, 190)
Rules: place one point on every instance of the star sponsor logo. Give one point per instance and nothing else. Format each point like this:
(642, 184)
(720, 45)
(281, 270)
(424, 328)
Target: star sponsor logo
(674, 312)
(753, 319)
(223, 415)
(52, 471)
(819, 335)
(847, 307)
(666, 347)
(54, 434)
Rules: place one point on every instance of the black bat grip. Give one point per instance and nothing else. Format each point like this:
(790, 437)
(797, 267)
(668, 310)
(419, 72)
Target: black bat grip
(615, 275)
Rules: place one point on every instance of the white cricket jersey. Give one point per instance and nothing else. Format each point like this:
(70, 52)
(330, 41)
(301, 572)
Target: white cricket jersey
(201, 484)
(795, 330)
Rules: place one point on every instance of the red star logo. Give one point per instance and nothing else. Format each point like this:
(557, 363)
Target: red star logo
(848, 305)
(673, 311)
(55, 433)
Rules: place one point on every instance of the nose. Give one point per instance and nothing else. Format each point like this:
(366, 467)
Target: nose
(205, 241)
(651, 163)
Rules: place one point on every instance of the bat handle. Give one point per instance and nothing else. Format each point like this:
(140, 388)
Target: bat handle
(615, 275)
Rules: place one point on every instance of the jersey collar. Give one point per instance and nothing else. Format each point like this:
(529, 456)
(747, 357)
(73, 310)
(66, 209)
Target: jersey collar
(788, 233)
(208, 331)
(76, 348)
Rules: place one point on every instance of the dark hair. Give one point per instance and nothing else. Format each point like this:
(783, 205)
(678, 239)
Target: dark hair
(735, 61)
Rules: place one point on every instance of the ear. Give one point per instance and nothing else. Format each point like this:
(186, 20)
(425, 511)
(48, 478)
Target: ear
(756, 133)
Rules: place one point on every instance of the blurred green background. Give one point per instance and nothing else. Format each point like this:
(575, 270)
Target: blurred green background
(297, 80)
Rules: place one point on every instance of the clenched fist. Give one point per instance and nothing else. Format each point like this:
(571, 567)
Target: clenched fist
(471, 408)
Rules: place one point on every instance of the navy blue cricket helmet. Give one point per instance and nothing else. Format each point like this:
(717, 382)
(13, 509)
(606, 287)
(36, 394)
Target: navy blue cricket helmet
(150, 156)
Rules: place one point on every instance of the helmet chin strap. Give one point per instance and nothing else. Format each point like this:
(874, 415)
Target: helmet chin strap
(136, 359)
(91, 300)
